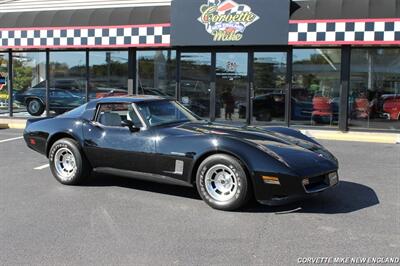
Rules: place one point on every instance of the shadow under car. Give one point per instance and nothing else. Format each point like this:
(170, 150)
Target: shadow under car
(346, 197)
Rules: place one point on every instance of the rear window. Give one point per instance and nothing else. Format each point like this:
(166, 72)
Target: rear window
(75, 113)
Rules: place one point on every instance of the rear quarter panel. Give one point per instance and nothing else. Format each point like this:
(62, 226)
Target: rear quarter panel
(44, 132)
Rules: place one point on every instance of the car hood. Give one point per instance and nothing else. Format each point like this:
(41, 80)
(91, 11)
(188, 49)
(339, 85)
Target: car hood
(253, 134)
(294, 152)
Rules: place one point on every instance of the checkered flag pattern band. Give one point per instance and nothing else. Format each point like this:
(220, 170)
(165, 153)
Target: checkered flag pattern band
(236, 9)
(357, 32)
(345, 32)
(214, 2)
(112, 36)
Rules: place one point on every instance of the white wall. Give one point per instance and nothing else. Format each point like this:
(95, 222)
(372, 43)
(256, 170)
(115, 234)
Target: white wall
(40, 5)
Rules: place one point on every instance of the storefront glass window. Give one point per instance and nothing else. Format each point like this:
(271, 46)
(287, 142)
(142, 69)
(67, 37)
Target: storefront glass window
(29, 83)
(67, 80)
(156, 72)
(374, 98)
(269, 87)
(3, 84)
(316, 87)
(195, 82)
(231, 88)
(108, 73)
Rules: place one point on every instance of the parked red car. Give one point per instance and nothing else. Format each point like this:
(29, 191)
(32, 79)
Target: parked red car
(362, 108)
(391, 106)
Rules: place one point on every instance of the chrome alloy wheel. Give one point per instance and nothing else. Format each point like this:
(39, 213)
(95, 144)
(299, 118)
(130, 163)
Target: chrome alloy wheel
(221, 183)
(65, 164)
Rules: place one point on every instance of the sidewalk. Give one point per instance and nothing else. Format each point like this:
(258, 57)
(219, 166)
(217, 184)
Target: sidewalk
(12, 123)
(374, 137)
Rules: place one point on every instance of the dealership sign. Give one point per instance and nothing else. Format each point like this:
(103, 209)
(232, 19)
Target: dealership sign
(229, 22)
(226, 20)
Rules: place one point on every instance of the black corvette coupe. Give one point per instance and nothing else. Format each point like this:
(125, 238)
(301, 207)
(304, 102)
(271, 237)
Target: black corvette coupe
(154, 138)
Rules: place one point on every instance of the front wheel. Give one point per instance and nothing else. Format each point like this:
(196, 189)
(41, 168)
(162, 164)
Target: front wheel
(67, 163)
(222, 182)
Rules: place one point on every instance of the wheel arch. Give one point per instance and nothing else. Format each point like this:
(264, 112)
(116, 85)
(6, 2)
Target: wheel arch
(29, 98)
(56, 137)
(219, 151)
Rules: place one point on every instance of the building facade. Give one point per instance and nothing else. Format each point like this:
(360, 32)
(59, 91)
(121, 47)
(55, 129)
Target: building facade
(313, 63)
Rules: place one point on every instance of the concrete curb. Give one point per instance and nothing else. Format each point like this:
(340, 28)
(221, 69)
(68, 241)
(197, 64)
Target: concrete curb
(12, 123)
(374, 137)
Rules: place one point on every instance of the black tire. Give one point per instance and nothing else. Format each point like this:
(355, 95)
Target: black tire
(82, 168)
(35, 107)
(264, 116)
(243, 192)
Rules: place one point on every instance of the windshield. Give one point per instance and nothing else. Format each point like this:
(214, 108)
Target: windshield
(164, 112)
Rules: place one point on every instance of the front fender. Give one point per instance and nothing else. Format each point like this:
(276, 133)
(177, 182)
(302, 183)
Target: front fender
(259, 163)
(254, 158)
(256, 162)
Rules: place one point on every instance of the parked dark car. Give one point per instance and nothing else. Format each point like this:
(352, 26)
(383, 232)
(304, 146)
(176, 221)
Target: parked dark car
(265, 107)
(270, 105)
(197, 95)
(158, 139)
(64, 95)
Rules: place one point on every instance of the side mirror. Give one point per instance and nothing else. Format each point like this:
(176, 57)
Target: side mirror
(129, 124)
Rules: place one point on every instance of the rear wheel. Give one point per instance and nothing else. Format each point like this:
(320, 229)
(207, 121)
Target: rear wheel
(67, 163)
(35, 107)
(222, 182)
(264, 116)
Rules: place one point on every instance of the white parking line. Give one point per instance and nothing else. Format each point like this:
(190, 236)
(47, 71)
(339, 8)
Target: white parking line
(6, 140)
(41, 167)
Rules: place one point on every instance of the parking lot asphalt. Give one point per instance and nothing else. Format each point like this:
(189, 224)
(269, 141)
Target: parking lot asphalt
(118, 221)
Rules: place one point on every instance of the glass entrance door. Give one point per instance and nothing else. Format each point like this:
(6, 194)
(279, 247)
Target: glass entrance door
(231, 103)
(196, 82)
(269, 87)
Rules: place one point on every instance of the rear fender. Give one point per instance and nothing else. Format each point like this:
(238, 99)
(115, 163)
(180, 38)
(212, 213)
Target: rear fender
(47, 130)
(34, 97)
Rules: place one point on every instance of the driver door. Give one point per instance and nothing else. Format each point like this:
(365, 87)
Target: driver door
(110, 145)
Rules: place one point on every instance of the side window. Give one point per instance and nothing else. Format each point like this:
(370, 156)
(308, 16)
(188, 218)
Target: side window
(57, 93)
(161, 112)
(40, 85)
(112, 114)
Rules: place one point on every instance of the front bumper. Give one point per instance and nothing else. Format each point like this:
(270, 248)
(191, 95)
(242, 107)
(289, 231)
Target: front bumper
(293, 189)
